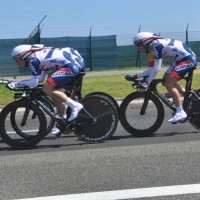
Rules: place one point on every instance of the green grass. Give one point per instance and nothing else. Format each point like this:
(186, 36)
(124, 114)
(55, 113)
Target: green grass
(115, 85)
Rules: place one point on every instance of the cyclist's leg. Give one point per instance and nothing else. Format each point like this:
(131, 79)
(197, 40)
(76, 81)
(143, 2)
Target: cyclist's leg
(166, 76)
(61, 77)
(180, 88)
(176, 72)
(171, 87)
(170, 84)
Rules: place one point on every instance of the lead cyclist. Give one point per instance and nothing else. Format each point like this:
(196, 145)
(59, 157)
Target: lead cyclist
(65, 64)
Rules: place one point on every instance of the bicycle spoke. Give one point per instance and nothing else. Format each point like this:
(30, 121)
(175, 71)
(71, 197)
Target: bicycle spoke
(137, 120)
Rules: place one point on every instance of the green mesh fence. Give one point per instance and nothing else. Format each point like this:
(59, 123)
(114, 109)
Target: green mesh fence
(99, 52)
(7, 66)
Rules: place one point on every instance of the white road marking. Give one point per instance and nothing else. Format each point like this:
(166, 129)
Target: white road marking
(128, 194)
(11, 132)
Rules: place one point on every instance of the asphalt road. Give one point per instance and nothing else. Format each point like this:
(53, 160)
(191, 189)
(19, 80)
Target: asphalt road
(69, 166)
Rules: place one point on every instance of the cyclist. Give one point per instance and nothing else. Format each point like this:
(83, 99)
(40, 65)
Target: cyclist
(147, 72)
(184, 60)
(65, 64)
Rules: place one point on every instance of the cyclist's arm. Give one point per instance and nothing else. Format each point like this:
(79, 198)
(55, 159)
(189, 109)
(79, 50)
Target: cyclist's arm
(34, 64)
(146, 72)
(157, 52)
(42, 76)
(32, 82)
(155, 69)
(151, 60)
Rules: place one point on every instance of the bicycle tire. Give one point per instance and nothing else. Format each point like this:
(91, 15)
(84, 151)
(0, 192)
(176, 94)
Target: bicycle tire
(106, 120)
(50, 121)
(108, 97)
(8, 133)
(192, 107)
(137, 124)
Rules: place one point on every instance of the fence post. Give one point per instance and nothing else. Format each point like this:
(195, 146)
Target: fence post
(187, 33)
(91, 55)
(138, 58)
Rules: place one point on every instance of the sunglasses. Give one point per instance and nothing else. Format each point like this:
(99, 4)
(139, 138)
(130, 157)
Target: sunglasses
(138, 43)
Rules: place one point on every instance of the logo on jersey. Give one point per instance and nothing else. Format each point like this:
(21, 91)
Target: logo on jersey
(179, 52)
(185, 65)
(57, 61)
(32, 68)
(62, 73)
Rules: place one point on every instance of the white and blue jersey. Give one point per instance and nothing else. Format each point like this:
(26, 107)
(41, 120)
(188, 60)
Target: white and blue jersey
(183, 58)
(66, 64)
(175, 49)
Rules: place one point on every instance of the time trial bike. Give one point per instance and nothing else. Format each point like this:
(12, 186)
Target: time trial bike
(23, 123)
(142, 112)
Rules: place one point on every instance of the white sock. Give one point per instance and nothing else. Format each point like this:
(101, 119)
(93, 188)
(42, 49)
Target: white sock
(75, 112)
(64, 117)
(71, 103)
(75, 107)
(178, 109)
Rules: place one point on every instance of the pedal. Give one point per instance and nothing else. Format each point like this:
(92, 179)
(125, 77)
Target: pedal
(65, 130)
(61, 128)
(69, 125)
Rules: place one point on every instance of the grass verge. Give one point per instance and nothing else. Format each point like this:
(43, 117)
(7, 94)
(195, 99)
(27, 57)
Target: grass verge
(115, 85)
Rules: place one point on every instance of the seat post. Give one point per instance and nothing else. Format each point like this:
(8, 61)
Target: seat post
(189, 79)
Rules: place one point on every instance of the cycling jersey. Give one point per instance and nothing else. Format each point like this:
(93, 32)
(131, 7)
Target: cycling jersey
(151, 59)
(171, 48)
(66, 64)
(183, 57)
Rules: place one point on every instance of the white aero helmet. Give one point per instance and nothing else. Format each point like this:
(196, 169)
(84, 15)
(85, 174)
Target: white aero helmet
(144, 38)
(23, 51)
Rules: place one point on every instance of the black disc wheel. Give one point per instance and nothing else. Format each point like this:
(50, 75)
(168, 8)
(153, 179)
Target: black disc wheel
(107, 97)
(193, 110)
(97, 121)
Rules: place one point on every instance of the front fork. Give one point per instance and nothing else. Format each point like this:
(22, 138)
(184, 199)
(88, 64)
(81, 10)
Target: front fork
(145, 103)
(26, 113)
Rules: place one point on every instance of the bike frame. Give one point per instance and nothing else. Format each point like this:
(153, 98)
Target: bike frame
(152, 89)
(33, 96)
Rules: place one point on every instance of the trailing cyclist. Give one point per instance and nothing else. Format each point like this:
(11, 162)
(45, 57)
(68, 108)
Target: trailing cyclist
(147, 72)
(65, 64)
(184, 60)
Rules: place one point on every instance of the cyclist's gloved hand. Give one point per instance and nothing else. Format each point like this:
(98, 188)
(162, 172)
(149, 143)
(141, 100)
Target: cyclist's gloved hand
(144, 85)
(130, 77)
(11, 85)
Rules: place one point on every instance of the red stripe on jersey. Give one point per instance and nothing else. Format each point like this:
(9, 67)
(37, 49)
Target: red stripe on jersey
(184, 63)
(51, 82)
(175, 75)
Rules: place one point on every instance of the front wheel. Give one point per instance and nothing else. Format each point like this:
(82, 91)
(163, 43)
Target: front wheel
(21, 130)
(50, 120)
(97, 121)
(141, 119)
